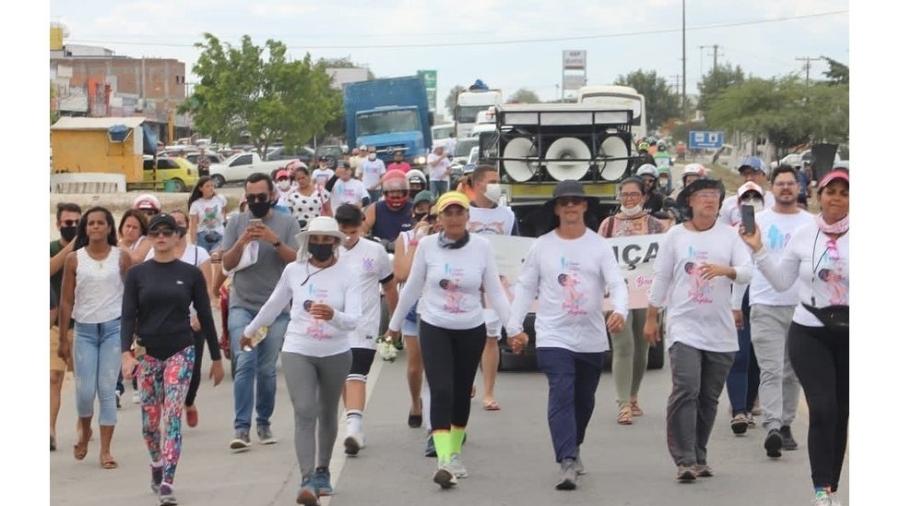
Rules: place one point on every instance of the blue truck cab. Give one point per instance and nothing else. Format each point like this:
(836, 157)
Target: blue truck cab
(389, 114)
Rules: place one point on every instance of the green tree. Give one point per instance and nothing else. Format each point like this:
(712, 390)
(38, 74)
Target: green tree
(259, 92)
(450, 101)
(716, 81)
(661, 102)
(524, 96)
(837, 72)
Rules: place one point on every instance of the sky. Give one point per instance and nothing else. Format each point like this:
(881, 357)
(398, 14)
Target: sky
(499, 35)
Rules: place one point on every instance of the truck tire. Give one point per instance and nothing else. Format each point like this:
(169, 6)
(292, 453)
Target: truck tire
(218, 180)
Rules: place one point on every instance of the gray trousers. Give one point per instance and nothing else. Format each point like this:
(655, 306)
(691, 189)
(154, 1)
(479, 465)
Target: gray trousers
(315, 385)
(629, 356)
(697, 380)
(779, 389)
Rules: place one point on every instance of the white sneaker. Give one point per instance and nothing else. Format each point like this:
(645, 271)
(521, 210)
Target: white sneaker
(456, 466)
(444, 477)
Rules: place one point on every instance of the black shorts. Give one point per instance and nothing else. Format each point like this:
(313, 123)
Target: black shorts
(362, 361)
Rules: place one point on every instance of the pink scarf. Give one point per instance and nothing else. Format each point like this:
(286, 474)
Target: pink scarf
(837, 228)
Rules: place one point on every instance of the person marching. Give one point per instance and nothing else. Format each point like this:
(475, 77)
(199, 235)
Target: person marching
(629, 350)
(447, 276)
(373, 268)
(693, 273)
(92, 295)
(316, 357)
(818, 258)
(156, 308)
(207, 209)
(569, 269)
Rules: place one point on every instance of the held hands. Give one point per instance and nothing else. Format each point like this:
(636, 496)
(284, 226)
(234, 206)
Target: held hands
(392, 335)
(615, 322)
(753, 240)
(711, 271)
(321, 312)
(518, 342)
(216, 372)
(738, 318)
(651, 332)
(129, 363)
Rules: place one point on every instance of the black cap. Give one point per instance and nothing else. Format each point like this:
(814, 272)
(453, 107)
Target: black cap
(162, 219)
(568, 188)
(702, 183)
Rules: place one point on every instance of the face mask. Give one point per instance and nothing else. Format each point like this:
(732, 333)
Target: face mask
(372, 156)
(284, 185)
(259, 209)
(493, 192)
(321, 252)
(68, 233)
(396, 202)
(663, 182)
(631, 211)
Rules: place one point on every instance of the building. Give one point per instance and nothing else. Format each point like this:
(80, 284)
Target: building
(94, 81)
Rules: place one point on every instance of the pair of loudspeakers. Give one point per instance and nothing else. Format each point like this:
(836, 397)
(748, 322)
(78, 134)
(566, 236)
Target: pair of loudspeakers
(573, 158)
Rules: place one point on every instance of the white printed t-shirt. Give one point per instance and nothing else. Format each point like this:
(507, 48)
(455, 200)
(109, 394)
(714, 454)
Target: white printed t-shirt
(438, 170)
(498, 220)
(372, 266)
(699, 311)
(372, 170)
(351, 191)
(210, 213)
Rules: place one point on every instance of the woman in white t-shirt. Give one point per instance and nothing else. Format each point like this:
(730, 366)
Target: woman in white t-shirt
(207, 210)
(308, 201)
(818, 256)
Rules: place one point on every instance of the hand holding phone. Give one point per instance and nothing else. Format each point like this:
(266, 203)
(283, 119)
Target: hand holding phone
(748, 218)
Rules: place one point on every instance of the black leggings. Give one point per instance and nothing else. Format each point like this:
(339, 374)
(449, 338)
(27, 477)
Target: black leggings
(821, 359)
(451, 360)
(195, 375)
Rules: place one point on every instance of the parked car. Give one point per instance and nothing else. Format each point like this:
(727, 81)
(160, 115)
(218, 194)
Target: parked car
(182, 173)
(303, 153)
(240, 166)
(211, 157)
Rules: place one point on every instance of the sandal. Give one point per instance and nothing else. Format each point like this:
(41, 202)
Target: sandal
(635, 409)
(624, 417)
(80, 450)
(109, 463)
(491, 406)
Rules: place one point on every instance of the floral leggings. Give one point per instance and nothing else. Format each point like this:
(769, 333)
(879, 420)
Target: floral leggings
(164, 385)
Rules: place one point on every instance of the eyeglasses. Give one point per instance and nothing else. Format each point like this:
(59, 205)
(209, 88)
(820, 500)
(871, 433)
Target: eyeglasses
(165, 232)
(785, 184)
(630, 195)
(69, 223)
(257, 197)
(569, 201)
(707, 194)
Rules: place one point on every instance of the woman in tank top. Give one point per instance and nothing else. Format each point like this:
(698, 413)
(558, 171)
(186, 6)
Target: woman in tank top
(92, 295)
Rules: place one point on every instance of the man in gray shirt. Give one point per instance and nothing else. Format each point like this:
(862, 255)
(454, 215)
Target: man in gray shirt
(274, 235)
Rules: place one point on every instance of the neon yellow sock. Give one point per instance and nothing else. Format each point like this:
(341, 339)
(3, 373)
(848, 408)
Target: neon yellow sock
(456, 438)
(443, 444)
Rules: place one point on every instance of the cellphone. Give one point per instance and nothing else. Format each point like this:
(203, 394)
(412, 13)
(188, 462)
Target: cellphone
(748, 218)
(255, 222)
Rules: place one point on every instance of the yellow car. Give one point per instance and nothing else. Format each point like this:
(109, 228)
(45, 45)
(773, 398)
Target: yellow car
(177, 173)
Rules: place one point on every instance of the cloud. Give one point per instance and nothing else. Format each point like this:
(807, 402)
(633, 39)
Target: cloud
(281, 10)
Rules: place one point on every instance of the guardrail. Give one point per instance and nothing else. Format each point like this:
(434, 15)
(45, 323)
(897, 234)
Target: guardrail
(87, 182)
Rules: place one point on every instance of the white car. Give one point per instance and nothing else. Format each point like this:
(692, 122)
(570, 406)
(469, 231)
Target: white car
(238, 167)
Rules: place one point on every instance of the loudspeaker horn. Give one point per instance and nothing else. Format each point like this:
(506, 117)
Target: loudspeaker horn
(568, 148)
(521, 147)
(612, 147)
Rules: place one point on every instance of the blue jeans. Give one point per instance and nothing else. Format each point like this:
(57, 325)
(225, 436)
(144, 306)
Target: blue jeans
(98, 360)
(208, 245)
(743, 379)
(573, 379)
(438, 188)
(257, 365)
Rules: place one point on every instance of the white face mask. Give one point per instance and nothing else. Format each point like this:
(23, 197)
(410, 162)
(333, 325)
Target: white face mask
(631, 211)
(284, 185)
(493, 192)
(372, 156)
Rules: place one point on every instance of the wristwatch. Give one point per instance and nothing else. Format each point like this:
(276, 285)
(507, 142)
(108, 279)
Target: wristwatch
(276, 244)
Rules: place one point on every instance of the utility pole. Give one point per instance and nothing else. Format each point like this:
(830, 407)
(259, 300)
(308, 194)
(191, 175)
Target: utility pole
(683, 60)
(715, 48)
(808, 64)
(676, 80)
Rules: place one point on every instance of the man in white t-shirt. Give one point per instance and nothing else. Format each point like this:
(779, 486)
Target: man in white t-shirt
(323, 174)
(374, 270)
(372, 170)
(771, 313)
(438, 171)
(486, 217)
(569, 270)
(693, 272)
(347, 190)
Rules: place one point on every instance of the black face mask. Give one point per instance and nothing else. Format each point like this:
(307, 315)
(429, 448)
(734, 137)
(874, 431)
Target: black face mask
(259, 209)
(321, 252)
(68, 233)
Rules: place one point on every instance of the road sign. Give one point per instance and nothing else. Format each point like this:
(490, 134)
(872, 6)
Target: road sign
(574, 81)
(699, 139)
(574, 60)
(430, 78)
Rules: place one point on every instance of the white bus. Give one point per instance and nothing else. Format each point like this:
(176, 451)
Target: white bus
(469, 104)
(618, 98)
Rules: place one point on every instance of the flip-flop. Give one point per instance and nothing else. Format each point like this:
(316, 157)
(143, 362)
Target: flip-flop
(80, 450)
(109, 463)
(491, 406)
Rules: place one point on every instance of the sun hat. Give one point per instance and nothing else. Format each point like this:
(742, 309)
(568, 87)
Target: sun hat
(320, 225)
(451, 199)
(703, 183)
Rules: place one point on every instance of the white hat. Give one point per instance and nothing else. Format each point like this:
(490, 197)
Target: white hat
(648, 169)
(695, 169)
(146, 201)
(320, 225)
(748, 187)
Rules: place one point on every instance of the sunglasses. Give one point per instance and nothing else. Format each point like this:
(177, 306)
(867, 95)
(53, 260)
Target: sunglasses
(165, 232)
(569, 201)
(69, 223)
(257, 197)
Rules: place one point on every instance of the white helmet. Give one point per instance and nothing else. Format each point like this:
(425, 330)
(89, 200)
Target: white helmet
(661, 145)
(694, 169)
(416, 174)
(648, 169)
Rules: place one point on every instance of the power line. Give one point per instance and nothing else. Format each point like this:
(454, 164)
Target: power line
(808, 65)
(510, 41)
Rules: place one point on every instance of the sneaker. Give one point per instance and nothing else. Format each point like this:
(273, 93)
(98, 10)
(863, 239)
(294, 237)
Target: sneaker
(685, 474)
(136, 397)
(264, 432)
(444, 477)
(702, 471)
(352, 444)
(567, 475)
(739, 424)
(430, 450)
(156, 476)
(307, 494)
(241, 441)
(773, 443)
(788, 441)
(456, 466)
(579, 467)
(167, 495)
(322, 480)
